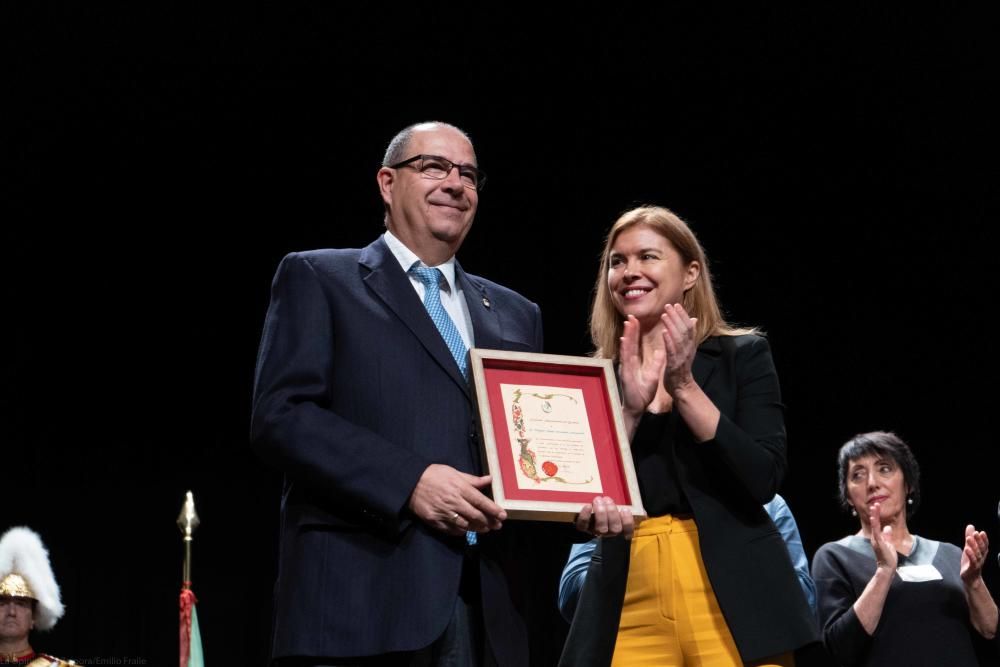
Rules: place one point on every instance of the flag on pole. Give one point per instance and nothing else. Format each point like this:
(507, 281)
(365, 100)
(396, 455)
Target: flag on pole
(190, 637)
(191, 655)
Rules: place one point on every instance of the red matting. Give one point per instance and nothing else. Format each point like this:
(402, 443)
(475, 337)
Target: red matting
(589, 380)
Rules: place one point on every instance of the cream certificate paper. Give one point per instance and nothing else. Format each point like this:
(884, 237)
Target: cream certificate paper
(550, 438)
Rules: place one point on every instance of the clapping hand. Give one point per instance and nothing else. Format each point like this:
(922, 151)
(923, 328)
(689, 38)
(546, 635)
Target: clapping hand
(977, 545)
(680, 344)
(883, 541)
(640, 376)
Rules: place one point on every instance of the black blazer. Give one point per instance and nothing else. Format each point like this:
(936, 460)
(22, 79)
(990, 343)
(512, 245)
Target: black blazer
(355, 395)
(727, 481)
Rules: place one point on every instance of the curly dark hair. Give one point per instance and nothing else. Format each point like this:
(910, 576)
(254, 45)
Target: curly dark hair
(883, 444)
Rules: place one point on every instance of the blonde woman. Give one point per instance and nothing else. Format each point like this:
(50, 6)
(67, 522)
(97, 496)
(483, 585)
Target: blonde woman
(706, 580)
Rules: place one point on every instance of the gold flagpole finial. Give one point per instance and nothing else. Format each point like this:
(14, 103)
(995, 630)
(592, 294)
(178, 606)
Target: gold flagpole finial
(188, 522)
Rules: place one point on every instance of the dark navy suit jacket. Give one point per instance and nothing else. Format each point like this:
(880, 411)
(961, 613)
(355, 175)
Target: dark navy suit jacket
(355, 395)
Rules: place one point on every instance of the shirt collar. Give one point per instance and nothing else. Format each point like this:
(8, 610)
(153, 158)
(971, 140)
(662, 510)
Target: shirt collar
(407, 259)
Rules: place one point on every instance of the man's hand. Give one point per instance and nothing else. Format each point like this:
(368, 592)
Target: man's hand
(451, 501)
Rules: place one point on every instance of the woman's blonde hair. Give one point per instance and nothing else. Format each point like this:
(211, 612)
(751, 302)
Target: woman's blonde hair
(606, 323)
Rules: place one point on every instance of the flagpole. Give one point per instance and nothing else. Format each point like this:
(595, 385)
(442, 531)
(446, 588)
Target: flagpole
(188, 521)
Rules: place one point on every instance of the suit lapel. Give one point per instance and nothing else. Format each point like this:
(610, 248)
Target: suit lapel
(485, 325)
(705, 361)
(482, 310)
(389, 283)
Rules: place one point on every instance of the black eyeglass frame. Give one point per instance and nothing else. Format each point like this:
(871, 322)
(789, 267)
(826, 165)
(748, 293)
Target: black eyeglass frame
(479, 173)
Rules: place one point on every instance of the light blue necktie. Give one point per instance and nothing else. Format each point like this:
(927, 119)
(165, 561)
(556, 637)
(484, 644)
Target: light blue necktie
(431, 278)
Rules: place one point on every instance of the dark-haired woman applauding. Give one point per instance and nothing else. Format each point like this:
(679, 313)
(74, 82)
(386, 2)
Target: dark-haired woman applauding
(887, 596)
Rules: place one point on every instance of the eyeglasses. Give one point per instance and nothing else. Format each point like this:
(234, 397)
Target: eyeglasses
(438, 168)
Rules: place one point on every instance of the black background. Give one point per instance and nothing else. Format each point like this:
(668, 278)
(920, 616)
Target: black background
(159, 159)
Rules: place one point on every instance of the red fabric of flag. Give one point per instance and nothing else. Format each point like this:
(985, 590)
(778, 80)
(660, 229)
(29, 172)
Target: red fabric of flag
(187, 602)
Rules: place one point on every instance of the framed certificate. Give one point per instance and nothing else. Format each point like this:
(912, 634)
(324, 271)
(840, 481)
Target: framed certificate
(552, 433)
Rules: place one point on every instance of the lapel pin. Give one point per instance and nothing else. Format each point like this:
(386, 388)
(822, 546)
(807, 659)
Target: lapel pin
(486, 302)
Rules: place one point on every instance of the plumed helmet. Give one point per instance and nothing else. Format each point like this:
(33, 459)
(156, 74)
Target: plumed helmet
(25, 572)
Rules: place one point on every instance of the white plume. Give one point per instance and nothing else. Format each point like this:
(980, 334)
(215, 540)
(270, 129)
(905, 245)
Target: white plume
(22, 552)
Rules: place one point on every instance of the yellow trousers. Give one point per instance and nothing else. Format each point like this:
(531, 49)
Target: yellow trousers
(671, 617)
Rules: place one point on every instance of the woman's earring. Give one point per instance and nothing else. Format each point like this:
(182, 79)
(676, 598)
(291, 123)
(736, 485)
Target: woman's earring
(854, 512)
(909, 501)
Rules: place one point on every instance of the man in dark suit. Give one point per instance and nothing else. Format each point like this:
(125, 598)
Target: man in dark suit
(390, 553)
